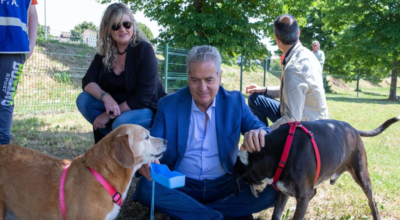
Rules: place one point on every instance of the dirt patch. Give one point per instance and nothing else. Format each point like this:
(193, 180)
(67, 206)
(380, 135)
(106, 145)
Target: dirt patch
(132, 210)
(387, 81)
(338, 83)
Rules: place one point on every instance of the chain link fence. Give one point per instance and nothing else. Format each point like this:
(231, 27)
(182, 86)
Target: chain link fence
(51, 78)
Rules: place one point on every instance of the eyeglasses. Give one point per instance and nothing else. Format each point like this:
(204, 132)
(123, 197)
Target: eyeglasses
(126, 24)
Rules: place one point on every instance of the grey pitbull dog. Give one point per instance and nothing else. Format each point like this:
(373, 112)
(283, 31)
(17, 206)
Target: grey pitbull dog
(341, 149)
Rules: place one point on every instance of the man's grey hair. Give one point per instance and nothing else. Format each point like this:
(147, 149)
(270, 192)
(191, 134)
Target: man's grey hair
(204, 53)
(316, 42)
(286, 29)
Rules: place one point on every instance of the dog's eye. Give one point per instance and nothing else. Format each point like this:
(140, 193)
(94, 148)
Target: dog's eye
(147, 138)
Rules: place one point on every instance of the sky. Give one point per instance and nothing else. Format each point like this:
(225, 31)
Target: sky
(64, 15)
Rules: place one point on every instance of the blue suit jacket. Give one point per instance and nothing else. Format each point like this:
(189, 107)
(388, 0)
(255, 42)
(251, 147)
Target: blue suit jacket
(232, 117)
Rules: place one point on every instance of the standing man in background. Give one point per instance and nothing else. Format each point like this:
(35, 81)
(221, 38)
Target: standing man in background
(318, 53)
(18, 30)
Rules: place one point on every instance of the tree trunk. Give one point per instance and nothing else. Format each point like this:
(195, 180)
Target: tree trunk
(393, 83)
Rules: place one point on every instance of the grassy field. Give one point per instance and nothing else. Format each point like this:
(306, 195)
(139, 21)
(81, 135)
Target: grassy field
(67, 135)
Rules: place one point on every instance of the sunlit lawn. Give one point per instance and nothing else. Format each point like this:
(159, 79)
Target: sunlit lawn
(68, 135)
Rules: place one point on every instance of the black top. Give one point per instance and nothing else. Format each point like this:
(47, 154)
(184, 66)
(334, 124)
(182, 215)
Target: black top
(116, 87)
(140, 80)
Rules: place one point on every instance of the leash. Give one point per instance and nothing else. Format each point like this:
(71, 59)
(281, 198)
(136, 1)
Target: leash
(152, 201)
(116, 196)
(286, 150)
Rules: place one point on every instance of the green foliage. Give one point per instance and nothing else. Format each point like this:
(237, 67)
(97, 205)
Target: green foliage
(234, 27)
(40, 32)
(369, 36)
(76, 33)
(146, 31)
(316, 30)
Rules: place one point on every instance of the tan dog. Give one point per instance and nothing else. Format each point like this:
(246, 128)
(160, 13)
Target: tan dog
(30, 180)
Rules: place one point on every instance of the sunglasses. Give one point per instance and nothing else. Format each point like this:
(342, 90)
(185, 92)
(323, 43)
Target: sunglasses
(126, 24)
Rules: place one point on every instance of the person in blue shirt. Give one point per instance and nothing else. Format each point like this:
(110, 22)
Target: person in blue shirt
(18, 30)
(202, 124)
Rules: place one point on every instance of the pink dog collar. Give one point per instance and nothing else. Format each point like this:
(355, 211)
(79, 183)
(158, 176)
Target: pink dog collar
(62, 183)
(116, 196)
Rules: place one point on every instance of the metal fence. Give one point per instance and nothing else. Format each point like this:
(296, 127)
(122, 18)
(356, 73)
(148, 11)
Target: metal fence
(51, 78)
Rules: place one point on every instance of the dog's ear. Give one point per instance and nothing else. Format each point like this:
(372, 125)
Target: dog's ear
(121, 151)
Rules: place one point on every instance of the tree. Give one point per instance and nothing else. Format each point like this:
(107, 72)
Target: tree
(369, 36)
(146, 31)
(40, 32)
(80, 28)
(233, 26)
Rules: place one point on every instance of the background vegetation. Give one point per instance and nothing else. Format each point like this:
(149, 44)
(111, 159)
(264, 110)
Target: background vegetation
(358, 37)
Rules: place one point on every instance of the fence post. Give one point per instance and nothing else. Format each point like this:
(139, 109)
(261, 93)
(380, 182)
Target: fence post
(241, 72)
(265, 70)
(358, 83)
(166, 67)
(45, 24)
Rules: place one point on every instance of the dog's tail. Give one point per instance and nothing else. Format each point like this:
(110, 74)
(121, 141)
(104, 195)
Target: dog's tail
(379, 129)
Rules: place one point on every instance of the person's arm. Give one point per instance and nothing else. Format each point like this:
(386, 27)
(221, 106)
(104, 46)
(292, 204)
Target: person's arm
(253, 129)
(90, 85)
(32, 28)
(146, 79)
(295, 89)
(272, 91)
(322, 61)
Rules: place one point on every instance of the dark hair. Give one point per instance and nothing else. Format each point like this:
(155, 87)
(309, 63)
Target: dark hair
(286, 29)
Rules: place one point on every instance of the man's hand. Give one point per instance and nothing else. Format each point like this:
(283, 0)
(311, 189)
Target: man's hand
(253, 88)
(253, 140)
(101, 121)
(145, 169)
(111, 106)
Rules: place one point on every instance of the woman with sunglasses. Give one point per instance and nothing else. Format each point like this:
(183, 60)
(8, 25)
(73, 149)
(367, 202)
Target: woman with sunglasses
(121, 85)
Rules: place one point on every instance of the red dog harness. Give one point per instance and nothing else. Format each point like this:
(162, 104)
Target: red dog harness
(116, 196)
(286, 150)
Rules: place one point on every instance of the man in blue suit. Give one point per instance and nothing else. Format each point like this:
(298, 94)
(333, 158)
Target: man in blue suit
(202, 124)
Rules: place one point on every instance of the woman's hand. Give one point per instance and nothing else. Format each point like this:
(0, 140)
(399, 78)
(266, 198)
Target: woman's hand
(111, 106)
(101, 121)
(145, 169)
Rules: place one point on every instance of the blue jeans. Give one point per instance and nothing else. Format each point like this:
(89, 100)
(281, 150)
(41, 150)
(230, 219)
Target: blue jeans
(10, 72)
(91, 107)
(206, 199)
(264, 107)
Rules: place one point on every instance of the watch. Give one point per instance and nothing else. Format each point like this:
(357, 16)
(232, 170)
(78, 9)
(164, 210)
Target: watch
(102, 94)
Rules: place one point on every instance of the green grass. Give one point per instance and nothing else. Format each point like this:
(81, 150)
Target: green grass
(68, 135)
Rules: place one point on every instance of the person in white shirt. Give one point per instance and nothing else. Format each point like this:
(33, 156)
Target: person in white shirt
(318, 53)
(301, 93)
